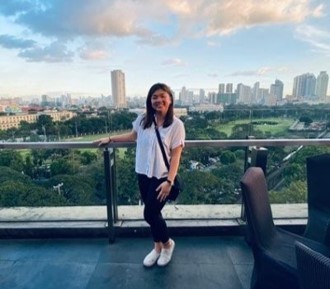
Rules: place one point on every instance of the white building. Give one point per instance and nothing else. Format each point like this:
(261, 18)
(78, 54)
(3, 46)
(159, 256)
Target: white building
(304, 86)
(118, 88)
(321, 87)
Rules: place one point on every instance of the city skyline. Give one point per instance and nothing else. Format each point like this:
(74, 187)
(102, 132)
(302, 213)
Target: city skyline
(72, 46)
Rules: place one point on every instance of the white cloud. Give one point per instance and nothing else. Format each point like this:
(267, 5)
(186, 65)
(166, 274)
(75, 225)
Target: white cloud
(317, 38)
(55, 52)
(94, 50)
(11, 42)
(228, 16)
(122, 18)
(174, 62)
(262, 71)
(213, 44)
(220, 17)
(149, 22)
(93, 54)
(62, 18)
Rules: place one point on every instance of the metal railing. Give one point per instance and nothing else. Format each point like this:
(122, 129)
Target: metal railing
(188, 143)
(109, 159)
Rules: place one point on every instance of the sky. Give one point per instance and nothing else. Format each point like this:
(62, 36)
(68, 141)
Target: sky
(71, 46)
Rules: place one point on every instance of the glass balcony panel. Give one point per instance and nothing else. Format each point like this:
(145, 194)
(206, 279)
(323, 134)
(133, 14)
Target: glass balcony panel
(67, 181)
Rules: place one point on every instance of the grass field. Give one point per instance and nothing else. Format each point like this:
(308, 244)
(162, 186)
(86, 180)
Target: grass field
(281, 127)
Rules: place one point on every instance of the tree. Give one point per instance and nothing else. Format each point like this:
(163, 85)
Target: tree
(6, 173)
(306, 119)
(128, 191)
(45, 125)
(24, 129)
(87, 157)
(65, 166)
(95, 173)
(17, 189)
(206, 188)
(227, 157)
(76, 189)
(12, 159)
(215, 134)
(296, 192)
(28, 166)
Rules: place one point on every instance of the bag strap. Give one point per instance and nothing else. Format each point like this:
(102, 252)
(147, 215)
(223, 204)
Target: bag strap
(161, 146)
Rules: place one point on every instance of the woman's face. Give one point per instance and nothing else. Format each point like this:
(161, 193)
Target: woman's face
(160, 101)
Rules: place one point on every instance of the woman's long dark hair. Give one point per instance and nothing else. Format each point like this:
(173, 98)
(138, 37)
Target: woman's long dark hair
(150, 114)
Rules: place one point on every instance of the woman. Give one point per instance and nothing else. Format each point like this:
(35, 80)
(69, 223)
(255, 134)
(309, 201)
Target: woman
(154, 179)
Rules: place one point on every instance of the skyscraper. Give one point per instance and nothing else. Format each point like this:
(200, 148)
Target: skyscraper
(229, 88)
(202, 96)
(322, 85)
(118, 88)
(244, 93)
(221, 88)
(255, 93)
(186, 97)
(304, 86)
(276, 90)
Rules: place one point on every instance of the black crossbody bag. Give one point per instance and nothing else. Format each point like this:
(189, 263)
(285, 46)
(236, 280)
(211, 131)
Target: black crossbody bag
(177, 184)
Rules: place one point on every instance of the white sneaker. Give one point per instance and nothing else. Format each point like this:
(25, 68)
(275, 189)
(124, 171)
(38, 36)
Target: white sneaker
(166, 255)
(151, 258)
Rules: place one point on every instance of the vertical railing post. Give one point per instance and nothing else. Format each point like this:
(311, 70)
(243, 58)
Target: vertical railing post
(247, 163)
(108, 175)
(114, 184)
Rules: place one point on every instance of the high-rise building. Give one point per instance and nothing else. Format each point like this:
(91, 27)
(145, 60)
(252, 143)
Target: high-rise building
(213, 97)
(304, 86)
(44, 98)
(322, 85)
(229, 88)
(276, 90)
(221, 88)
(263, 95)
(244, 93)
(202, 98)
(255, 93)
(186, 97)
(118, 88)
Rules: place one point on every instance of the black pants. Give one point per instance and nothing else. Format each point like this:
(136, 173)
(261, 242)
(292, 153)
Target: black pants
(152, 207)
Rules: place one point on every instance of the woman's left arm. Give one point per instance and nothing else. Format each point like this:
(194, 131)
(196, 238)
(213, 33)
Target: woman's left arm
(175, 162)
(165, 188)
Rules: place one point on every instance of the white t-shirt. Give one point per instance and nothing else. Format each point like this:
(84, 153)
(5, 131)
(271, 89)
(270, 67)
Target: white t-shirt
(149, 159)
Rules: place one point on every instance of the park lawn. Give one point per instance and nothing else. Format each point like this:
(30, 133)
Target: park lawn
(119, 151)
(282, 126)
(24, 153)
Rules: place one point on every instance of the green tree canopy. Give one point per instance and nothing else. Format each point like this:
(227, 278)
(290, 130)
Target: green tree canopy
(12, 159)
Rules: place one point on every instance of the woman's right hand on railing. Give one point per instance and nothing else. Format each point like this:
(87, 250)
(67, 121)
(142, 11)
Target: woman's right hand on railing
(125, 137)
(102, 141)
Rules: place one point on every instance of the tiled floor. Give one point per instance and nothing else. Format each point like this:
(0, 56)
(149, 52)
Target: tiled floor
(198, 262)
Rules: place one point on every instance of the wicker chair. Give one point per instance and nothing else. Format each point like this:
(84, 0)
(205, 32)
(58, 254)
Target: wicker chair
(313, 268)
(318, 188)
(273, 248)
